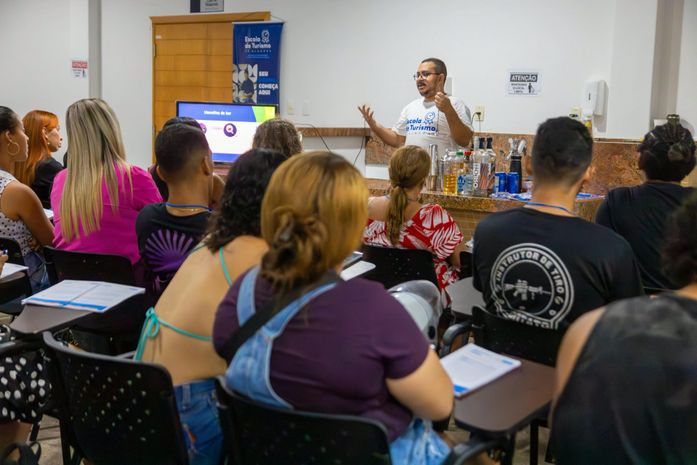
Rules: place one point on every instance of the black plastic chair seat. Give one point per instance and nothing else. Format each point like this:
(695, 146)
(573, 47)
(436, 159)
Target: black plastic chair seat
(64, 264)
(394, 266)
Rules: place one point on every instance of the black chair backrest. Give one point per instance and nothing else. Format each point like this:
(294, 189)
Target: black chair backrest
(465, 265)
(394, 266)
(14, 251)
(514, 338)
(655, 290)
(260, 435)
(115, 411)
(63, 264)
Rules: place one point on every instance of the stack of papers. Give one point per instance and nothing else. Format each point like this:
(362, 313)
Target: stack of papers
(93, 296)
(48, 213)
(10, 271)
(357, 269)
(472, 367)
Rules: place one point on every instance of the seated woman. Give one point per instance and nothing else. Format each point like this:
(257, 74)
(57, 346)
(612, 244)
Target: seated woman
(639, 213)
(167, 231)
(41, 168)
(278, 134)
(21, 215)
(400, 220)
(96, 200)
(626, 379)
(313, 347)
(177, 332)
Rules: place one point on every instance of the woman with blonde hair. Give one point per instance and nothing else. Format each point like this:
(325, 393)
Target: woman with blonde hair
(321, 331)
(96, 200)
(278, 134)
(41, 168)
(401, 220)
(21, 215)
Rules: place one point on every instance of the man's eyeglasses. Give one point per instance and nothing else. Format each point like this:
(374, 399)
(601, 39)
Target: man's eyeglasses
(423, 74)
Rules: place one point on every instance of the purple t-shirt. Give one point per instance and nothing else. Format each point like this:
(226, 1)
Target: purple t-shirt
(334, 355)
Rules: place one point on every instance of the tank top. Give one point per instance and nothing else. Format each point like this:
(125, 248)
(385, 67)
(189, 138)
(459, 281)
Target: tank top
(14, 229)
(632, 395)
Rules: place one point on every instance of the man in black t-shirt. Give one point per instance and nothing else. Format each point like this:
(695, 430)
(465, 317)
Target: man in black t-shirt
(168, 231)
(542, 265)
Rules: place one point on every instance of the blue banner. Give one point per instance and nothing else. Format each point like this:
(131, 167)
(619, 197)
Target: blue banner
(256, 55)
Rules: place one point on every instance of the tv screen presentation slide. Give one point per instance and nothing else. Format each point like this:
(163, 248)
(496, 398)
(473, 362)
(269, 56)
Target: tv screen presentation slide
(229, 128)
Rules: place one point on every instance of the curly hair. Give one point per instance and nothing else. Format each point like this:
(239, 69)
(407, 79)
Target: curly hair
(667, 153)
(278, 134)
(680, 250)
(240, 208)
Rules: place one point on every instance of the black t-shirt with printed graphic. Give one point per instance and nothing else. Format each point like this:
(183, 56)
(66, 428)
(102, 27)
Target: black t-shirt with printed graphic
(546, 270)
(165, 240)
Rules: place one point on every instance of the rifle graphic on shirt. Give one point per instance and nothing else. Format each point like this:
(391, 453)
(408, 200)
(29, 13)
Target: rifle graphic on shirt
(523, 289)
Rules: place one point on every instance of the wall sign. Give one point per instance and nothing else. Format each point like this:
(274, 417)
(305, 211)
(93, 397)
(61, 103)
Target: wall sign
(207, 6)
(526, 83)
(79, 68)
(256, 62)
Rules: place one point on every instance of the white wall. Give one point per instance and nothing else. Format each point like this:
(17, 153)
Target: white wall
(337, 55)
(39, 40)
(687, 83)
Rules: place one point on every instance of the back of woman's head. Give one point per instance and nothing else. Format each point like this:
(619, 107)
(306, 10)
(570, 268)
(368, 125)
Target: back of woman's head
(96, 153)
(278, 134)
(8, 119)
(680, 251)
(240, 209)
(667, 153)
(409, 167)
(312, 217)
(36, 124)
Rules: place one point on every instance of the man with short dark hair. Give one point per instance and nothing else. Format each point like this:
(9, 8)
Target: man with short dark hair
(541, 264)
(435, 118)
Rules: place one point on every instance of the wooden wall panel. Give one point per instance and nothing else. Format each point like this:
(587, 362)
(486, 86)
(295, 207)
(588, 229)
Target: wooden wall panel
(193, 60)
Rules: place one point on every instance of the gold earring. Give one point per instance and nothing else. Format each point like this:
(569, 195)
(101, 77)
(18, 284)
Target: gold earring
(12, 154)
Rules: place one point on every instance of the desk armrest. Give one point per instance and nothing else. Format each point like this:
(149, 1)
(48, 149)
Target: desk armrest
(450, 334)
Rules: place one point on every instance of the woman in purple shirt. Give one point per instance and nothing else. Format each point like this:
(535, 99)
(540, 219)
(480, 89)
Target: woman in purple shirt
(344, 347)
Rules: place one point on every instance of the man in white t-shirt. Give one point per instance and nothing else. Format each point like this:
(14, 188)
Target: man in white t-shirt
(435, 118)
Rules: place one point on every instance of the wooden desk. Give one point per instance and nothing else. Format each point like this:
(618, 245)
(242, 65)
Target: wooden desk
(508, 404)
(35, 319)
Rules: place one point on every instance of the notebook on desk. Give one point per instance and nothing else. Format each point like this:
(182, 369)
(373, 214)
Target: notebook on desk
(472, 367)
(93, 296)
(11, 270)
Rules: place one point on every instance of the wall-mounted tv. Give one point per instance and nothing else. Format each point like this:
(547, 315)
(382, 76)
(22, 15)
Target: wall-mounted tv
(229, 127)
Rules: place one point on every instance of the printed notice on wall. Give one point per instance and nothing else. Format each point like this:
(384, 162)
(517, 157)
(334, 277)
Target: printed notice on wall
(79, 68)
(212, 6)
(526, 83)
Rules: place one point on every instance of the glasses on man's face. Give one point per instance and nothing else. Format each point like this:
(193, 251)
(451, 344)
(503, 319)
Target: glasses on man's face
(423, 74)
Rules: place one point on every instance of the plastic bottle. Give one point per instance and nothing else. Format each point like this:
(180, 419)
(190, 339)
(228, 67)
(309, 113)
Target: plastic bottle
(451, 169)
(480, 171)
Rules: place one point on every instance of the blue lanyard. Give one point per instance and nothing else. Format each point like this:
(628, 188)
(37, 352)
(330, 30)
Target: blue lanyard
(540, 204)
(193, 205)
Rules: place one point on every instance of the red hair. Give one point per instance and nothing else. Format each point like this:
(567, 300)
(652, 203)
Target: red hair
(34, 122)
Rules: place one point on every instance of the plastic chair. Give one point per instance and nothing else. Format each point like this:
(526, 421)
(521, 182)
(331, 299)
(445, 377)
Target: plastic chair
(394, 266)
(15, 288)
(115, 411)
(513, 338)
(63, 264)
(255, 434)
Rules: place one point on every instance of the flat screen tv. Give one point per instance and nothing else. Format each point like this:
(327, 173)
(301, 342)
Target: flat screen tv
(229, 127)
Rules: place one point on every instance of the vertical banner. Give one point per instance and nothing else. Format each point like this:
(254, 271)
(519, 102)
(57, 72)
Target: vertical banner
(256, 58)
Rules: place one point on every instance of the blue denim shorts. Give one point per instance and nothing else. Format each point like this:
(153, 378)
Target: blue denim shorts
(198, 414)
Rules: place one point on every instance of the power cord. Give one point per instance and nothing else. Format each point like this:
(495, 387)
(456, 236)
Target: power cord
(325, 142)
(363, 137)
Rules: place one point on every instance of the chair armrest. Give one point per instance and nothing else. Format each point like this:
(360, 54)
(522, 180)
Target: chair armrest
(470, 449)
(450, 334)
(127, 355)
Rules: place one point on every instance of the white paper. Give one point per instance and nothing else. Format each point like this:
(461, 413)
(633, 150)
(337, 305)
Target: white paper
(10, 269)
(472, 367)
(94, 296)
(49, 213)
(356, 270)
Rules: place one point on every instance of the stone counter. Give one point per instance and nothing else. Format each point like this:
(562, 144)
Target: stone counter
(468, 211)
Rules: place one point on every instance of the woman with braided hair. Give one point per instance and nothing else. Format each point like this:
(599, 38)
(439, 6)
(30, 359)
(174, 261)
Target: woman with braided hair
(639, 213)
(401, 220)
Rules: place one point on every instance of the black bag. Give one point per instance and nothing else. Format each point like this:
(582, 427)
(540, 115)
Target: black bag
(29, 454)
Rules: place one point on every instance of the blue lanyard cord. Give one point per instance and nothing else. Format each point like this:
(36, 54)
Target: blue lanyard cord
(186, 205)
(540, 204)
(151, 328)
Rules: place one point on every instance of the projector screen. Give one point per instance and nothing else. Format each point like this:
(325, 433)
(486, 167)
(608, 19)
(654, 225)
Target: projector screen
(229, 127)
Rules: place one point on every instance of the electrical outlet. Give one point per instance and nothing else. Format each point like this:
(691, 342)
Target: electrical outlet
(306, 108)
(478, 113)
(290, 108)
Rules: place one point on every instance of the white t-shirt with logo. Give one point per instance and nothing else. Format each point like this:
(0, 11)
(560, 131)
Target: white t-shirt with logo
(423, 124)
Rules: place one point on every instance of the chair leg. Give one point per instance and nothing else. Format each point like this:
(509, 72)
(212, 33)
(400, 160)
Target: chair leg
(549, 454)
(534, 442)
(508, 452)
(35, 430)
